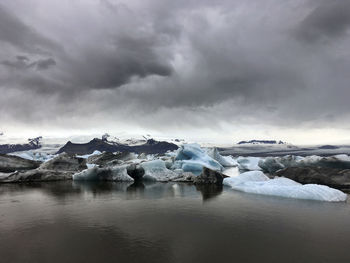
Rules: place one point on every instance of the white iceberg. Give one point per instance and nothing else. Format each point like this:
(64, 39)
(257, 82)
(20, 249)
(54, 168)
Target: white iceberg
(191, 158)
(225, 161)
(257, 183)
(116, 173)
(248, 163)
(157, 170)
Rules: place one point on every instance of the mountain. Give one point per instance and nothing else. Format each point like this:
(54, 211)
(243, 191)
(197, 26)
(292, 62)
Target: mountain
(32, 144)
(149, 147)
(261, 142)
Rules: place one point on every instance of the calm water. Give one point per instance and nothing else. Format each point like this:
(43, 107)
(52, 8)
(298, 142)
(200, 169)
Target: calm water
(166, 222)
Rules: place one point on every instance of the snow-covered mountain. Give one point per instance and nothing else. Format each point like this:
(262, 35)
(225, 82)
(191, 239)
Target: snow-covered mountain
(274, 142)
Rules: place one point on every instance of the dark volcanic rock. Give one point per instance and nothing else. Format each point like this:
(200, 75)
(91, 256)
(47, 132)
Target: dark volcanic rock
(337, 178)
(87, 148)
(328, 147)
(209, 176)
(154, 147)
(150, 147)
(9, 163)
(108, 158)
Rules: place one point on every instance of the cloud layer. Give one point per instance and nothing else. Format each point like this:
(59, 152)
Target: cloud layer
(170, 65)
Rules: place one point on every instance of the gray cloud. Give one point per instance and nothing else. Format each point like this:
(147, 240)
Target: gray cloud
(23, 62)
(172, 64)
(329, 20)
(14, 32)
(43, 64)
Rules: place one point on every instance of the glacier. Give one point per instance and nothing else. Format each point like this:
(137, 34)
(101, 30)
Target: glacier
(257, 182)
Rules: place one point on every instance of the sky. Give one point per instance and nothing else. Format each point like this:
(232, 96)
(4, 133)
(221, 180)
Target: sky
(211, 70)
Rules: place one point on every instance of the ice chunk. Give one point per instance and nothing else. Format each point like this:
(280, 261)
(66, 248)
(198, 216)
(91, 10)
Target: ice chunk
(156, 170)
(90, 165)
(252, 176)
(231, 172)
(257, 183)
(226, 161)
(192, 158)
(270, 164)
(116, 173)
(248, 163)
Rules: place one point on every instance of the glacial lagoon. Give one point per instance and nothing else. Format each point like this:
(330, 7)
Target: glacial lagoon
(166, 222)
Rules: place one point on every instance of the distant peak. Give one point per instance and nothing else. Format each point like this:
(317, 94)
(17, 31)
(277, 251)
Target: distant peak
(262, 142)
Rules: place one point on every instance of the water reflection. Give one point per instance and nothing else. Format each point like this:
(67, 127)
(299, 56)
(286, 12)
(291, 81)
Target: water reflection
(209, 191)
(165, 222)
(125, 190)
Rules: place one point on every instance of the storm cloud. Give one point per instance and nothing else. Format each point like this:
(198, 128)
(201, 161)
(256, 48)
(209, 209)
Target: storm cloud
(174, 65)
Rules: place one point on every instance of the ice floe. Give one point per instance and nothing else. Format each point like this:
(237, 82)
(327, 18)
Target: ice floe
(257, 183)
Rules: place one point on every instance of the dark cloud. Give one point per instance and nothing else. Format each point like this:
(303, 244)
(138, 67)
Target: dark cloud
(23, 62)
(43, 64)
(171, 64)
(14, 32)
(126, 57)
(328, 21)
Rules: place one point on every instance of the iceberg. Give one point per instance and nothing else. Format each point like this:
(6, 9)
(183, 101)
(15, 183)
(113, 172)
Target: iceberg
(192, 158)
(248, 163)
(271, 164)
(116, 173)
(225, 161)
(157, 170)
(257, 183)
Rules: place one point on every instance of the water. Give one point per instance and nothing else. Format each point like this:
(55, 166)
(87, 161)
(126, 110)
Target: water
(166, 222)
